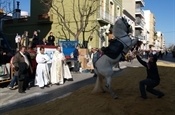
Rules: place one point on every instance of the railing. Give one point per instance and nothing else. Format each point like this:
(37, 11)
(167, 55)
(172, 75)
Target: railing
(139, 11)
(141, 1)
(102, 15)
(141, 37)
(141, 25)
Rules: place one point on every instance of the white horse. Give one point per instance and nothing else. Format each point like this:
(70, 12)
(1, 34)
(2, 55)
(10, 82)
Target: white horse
(121, 44)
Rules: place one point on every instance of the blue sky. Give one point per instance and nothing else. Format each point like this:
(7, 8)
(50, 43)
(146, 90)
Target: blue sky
(163, 10)
(24, 5)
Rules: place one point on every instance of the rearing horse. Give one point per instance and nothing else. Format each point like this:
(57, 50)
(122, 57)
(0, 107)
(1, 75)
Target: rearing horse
(112, 54)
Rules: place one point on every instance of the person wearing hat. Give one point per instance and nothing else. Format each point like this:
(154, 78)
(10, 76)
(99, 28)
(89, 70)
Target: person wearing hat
(152, 79)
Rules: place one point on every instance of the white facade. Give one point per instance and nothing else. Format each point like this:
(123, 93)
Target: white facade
(147, 19)
(160, 42)
(147, 38)
(139, 16)
(152, 38)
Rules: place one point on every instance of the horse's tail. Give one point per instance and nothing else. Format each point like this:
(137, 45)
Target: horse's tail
(99, 83)
(97, 86)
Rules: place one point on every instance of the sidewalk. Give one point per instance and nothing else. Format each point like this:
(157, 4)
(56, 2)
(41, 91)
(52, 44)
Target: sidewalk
(12, 97)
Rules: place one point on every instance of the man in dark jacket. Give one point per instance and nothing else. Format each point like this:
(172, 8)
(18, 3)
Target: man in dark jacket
(152, 79)
(18, 61)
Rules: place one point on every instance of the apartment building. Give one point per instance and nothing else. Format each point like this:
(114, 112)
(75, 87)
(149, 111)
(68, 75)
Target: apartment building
(129, 12)
(139, 22)
(46, 19)
(105, 13)
(160, 41)
(108, 11)
(150, 32)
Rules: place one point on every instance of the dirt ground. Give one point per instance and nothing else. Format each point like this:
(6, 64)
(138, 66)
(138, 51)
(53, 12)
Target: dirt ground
(83, 102)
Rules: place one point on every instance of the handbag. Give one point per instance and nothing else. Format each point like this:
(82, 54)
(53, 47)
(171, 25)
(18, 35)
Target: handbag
(67, 74)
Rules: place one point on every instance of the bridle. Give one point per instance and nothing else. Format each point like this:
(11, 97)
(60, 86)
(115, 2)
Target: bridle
(119, 38)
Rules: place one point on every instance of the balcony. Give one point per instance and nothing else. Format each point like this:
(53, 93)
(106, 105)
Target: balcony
(105, 17)
(140, 12)
(145, 41)
(141, 2)
(139, 24)
(141, 37)
(45, 18)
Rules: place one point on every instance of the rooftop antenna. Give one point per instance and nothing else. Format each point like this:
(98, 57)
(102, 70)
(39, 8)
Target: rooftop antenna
(16, 11)
(14, 1)
(17, 4)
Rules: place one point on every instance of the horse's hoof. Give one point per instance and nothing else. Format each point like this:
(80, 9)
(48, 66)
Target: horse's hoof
(114, 96)
(103, 91)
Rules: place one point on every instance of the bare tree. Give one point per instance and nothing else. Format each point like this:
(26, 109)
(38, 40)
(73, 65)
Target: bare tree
(5, 7)
(78, 15)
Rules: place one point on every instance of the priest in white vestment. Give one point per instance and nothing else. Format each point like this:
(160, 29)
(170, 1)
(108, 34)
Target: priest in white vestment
(42, 78)
(57, 75)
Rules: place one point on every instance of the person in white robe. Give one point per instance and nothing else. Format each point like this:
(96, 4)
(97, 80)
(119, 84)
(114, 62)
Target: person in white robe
(57, 72)
(42, 78)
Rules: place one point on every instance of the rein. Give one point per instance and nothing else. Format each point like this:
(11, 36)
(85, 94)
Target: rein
(119, 39)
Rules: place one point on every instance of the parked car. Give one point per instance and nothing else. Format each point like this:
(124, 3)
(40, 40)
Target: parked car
(6, 53)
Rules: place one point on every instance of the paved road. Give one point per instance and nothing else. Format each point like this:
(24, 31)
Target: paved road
(11, 99)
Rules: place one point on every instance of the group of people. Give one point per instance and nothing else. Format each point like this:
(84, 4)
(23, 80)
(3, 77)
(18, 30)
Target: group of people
(49, 41)
(22, 70)
(152, 79)
(56, 73)
(28, 70)
(23, 40)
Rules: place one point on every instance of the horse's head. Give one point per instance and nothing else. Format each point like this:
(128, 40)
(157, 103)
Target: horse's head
(121, 27)
(122, 31)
